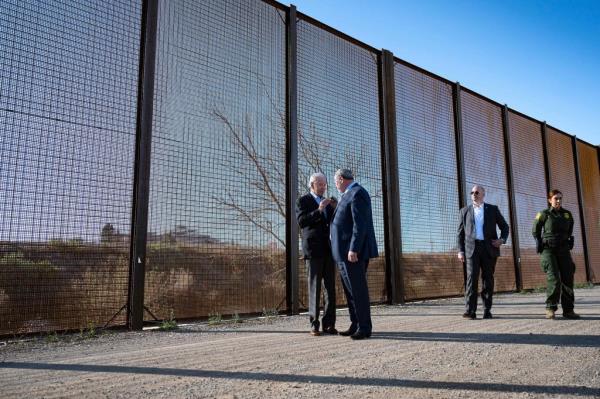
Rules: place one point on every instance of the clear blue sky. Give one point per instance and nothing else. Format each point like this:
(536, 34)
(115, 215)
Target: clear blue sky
(541, 57)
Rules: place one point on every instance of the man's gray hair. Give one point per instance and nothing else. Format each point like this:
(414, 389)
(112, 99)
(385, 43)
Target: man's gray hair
(480, 186)
(345, 173)
(314, 177)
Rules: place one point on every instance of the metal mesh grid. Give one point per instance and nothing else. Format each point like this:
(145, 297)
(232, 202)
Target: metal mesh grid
(485, 164)
(562, 176)
(529, 182)
(68, 93)
(338, 118)
(428, 185)
(590, 190)
(216, 240)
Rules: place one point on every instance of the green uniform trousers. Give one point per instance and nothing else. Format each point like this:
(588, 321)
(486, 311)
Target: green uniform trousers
(559, 269)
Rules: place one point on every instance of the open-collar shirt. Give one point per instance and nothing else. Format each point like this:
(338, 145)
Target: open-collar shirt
(317, 198)
(350, 186)
(478, 218)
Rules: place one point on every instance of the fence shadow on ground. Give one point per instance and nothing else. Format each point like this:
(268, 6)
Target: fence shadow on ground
(502, 316)
(578, 301)
(584, 341)
(578, 341)
(580, 391)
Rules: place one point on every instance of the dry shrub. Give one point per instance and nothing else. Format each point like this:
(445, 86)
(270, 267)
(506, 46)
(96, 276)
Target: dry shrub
(60, 285)
(432, 275)
(195, 280)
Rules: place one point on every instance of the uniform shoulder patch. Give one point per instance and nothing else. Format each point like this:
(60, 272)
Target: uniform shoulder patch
(567, 215)
(538, 216)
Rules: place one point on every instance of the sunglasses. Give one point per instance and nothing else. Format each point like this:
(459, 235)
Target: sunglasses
(474, 192)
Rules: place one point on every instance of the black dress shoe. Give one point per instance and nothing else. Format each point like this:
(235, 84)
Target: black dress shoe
(469, 315)
(348, 332)
(330, 331)
(314, 331)
(487, 314)
(360, 335)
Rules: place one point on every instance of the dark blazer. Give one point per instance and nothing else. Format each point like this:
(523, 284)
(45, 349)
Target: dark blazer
(315, 227)
(466, 229)
(352, 226)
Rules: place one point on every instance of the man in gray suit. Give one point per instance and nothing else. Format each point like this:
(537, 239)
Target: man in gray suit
(352, 245)
(479, 245)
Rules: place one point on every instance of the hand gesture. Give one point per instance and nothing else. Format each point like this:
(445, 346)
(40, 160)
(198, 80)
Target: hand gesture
(333, 202)
(497, 243)
(323, 204)
(352, 256)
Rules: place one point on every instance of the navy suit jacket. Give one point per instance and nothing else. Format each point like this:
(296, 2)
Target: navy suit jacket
(352, 226)
(315, 227)
(466, 229)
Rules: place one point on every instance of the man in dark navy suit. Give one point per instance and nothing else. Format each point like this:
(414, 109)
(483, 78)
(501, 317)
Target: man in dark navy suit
(314, 213)
(479, 245)
(352, 245)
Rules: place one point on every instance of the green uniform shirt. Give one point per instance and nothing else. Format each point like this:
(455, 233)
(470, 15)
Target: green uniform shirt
(556, 225)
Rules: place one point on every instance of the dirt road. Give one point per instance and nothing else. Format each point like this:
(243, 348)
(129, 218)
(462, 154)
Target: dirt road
(421, 350)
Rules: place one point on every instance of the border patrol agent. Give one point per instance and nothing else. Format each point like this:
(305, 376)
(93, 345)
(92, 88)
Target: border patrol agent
(554, 245)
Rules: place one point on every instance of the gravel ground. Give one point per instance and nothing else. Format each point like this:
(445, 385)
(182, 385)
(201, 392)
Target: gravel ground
(421, 350)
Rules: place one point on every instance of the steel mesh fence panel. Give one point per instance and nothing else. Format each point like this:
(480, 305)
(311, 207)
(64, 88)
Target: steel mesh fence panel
(529, 183)
(590, 189)
(428, 185)
(485, 164)
(68, 94)
(561, 164)
(216, 241)
(338, 127)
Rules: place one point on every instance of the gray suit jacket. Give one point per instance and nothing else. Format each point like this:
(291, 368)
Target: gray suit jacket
(466, 229)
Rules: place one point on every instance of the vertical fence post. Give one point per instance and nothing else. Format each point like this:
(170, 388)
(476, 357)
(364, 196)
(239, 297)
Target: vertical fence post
(139, 222)
(511, 199)
(291, 227)
(460, 156)
(588, 273)
(390, 183)
(546, 159)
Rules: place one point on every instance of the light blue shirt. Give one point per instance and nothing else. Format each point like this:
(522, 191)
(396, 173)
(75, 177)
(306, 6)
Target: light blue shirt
(350, 186)
(478, 218)
(319, 199)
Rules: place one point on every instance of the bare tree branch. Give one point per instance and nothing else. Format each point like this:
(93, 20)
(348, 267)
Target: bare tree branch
(313, 153)
(251, 154)
(248, 216)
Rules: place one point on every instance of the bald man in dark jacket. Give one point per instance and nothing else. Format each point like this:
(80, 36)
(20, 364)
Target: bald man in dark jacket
(479, 246)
